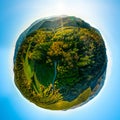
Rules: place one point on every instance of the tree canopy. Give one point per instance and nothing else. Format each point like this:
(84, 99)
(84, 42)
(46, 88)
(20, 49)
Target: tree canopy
(60, 64)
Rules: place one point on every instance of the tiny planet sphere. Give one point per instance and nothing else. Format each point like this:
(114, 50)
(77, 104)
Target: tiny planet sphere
(60, 62)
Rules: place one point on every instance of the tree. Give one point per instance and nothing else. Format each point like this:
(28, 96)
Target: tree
(55, 52)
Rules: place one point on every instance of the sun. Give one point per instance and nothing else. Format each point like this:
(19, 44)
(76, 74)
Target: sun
(60, 8)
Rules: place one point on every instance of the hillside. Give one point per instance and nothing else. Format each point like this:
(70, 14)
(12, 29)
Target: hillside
(60, 62)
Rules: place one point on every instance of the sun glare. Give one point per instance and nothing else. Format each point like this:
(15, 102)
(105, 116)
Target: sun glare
(60, 8)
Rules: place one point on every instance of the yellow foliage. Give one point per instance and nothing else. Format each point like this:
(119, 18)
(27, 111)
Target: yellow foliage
(56, 49)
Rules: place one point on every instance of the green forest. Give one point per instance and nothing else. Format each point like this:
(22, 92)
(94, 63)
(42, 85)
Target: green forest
(55, 68)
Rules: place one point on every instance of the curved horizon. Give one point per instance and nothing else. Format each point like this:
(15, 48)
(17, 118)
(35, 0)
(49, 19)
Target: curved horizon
(16, 16)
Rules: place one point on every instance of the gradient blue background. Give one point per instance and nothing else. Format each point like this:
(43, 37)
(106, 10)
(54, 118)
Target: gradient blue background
(16, 15)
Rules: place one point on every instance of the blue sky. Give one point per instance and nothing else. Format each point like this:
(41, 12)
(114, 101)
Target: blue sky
(16, 15)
